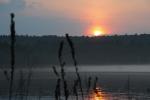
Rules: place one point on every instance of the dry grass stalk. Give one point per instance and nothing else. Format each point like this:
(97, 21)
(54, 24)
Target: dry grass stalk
(12, 49)
(21, 86)
(6, 75)
(62, 64)
(72, 50)
(58, 90)
(88, 87)
(95, 85)
(28, 82)
(55, 71)
(75, 90)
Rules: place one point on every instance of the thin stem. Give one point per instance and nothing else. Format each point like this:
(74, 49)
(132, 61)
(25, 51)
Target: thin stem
(12, 49)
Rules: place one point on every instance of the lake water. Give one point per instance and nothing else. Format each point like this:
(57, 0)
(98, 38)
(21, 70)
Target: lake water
(114, 83)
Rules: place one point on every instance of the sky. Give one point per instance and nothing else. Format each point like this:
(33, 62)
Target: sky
(76, 17)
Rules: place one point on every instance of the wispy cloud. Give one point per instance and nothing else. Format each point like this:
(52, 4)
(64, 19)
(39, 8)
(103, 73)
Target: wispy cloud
(87, 10)
(4, 1)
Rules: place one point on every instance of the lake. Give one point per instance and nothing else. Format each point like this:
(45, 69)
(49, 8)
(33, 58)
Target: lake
(114, 82)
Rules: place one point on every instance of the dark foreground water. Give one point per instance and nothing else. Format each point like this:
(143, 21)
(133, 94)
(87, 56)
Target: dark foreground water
(118, 83)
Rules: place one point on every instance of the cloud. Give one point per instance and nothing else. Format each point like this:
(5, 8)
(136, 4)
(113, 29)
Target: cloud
(4, 1)
(50, 7)
(113, 14)
(88, 10)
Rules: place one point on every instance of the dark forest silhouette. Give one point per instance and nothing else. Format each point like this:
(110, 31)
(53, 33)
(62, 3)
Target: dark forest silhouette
(37, 51)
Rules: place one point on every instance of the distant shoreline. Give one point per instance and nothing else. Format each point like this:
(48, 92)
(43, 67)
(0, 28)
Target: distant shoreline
(107, 35)
(103, 50)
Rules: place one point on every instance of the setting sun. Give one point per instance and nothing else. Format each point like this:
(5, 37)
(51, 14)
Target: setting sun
(96, 31)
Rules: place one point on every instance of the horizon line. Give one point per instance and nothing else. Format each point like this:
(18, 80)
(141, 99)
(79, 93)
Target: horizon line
(108, 35)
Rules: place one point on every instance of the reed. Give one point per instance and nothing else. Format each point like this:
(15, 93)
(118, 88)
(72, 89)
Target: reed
(21, 86)
(95, 85)
(6, 74)
(128, 88)
(28, 82)
(72, 50)
(61, 77)
(58, 84)
(12, 51)
(58, 90)
(75, 90)
(89, 84)
(62, 64)
(55, 71)
(88, 87)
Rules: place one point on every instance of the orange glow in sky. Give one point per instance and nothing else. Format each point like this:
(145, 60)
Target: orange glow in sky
(111, 16)
(95, 31)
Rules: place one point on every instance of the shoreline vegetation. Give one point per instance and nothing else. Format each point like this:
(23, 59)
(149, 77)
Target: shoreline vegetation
(106, 50)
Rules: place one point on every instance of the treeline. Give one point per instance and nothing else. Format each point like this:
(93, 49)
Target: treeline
(42, 50)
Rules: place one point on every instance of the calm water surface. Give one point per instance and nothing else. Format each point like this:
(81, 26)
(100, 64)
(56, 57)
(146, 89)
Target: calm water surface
(114, 83)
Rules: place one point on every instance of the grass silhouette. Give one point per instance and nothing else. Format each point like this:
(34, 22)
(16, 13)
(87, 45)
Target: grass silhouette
(12, 49)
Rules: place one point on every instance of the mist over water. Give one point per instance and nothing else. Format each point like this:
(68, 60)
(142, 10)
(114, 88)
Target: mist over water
(112, 80)
(112, 68)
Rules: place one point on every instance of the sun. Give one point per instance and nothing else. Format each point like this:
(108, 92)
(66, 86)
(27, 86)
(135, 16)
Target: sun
(96, 30)
(97, 33)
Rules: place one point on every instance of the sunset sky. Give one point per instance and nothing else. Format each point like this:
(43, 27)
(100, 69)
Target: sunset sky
(76, 17)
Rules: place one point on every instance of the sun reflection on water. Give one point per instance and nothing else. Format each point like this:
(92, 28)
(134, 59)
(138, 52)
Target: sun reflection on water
(100, 94)
(97, 94)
